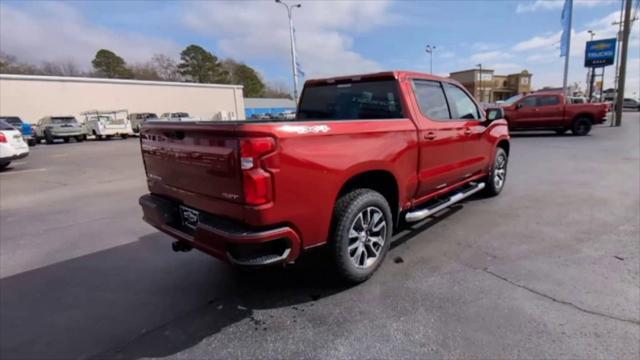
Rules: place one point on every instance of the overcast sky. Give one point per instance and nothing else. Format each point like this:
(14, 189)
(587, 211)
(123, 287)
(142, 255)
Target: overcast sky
(334, 37)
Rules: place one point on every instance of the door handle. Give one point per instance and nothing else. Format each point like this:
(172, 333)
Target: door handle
(430, 135)
(467, 131)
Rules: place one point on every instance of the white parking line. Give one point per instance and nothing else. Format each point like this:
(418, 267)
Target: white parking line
(9, 172)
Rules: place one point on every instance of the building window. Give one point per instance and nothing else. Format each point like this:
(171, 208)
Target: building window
(524, 81)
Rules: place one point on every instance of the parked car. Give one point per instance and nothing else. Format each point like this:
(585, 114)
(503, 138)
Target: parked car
(178, 116)
(577, 100)
(629, 103)
(364, 154)
(553, 111)
(59, 127)
(137, 119)
(107, 124)
(288, 115)
(25, 128)
(12, 145)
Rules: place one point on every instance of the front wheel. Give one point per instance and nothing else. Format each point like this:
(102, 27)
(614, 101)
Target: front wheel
(48, 138)
(80, 138)
(4, 165)
(32, 142)
(581, 126)
(361, 234)
(498, 175)
(124, 136)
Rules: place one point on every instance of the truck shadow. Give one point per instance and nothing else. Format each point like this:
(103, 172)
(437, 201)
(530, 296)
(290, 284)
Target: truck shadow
(142, 300)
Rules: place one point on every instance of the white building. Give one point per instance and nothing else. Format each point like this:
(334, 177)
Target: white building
(33, 97)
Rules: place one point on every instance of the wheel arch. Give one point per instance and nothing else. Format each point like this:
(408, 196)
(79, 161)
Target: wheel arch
(382, 181)
(581, 116)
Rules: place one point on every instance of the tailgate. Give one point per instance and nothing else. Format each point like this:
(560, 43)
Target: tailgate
(187, 159)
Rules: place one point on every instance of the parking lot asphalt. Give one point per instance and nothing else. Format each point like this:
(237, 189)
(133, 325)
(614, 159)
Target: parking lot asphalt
(549, 269)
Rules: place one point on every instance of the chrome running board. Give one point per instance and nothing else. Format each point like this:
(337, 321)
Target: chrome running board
(420, 214)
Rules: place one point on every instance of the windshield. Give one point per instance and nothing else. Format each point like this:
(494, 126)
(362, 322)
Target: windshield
(5, 126)
(64, 120)
(12, 120)
(376, 99)
(512, 99)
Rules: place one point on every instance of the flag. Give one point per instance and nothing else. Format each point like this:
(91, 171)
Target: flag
(298, 66)
(565, 20)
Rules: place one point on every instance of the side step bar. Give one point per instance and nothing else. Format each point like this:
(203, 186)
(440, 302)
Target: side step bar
(421, 214)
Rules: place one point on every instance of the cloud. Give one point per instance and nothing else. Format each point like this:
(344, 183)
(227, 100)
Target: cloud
(538, 42)
(58, 32)
(490, 56)
(324, 34)
(536, 5)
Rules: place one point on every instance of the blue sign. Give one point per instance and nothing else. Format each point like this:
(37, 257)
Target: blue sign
(600, 53)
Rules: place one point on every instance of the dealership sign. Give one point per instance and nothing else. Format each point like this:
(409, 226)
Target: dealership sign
(600, 53)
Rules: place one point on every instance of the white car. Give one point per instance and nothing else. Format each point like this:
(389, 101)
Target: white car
(178, 116)
(12, 145)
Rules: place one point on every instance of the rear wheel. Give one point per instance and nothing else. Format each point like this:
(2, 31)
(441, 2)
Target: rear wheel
(361, 234)
(48, 138)
(498, 175)
(80, 138)
(33, 141)
(67, 139)
(581, 126)
(4, 165)
(124, 136)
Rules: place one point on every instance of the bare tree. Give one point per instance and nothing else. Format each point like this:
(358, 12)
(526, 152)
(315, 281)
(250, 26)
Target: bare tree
(9, 64)
(145, 71)
(166, 67)
(64, 68)
(277, 89)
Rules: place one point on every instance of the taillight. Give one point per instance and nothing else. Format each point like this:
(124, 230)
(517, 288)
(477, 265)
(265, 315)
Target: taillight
(256, 181)
(3, 139)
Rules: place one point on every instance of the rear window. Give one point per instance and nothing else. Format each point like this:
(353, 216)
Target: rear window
(5, 126)
(376, 99)
(12, 120)
(63, 120)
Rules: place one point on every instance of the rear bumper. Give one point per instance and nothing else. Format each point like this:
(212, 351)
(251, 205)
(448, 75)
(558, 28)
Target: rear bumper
(14, 157)
(221, 238)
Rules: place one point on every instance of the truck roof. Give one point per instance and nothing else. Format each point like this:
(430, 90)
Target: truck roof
(395, 74)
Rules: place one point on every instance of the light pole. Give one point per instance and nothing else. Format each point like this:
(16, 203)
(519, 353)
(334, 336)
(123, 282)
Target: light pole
(293, 46)
(430, 49)
(480, 82)
(591, 73)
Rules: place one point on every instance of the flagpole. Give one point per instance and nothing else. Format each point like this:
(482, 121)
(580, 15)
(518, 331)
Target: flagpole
(568, 49)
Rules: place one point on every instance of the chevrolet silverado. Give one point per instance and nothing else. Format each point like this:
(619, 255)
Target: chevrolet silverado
(364, 154)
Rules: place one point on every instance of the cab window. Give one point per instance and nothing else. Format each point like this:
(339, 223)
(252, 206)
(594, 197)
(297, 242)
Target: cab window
(548, 100)
(530, 101)
(462, 107)
(431, 99)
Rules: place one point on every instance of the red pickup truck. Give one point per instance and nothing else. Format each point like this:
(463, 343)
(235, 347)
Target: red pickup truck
(364, 153)
(552, 111)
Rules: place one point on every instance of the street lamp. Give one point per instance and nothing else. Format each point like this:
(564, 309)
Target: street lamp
(480, 82)
(591, 72)
(430, 49)
(293, 46)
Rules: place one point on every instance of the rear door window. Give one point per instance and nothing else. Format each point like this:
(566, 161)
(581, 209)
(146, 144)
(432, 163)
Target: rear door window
(431, 99)
(12, 120)
(63, 120)
(548, 100)
(5, 126)
(462, 107)
(374, 99)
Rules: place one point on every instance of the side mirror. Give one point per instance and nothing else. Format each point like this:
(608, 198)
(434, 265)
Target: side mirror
(519, 106)
(495, 114)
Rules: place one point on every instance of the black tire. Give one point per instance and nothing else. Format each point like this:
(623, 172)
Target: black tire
(108, 137)
(581, 126)
(48, 138)
(67, 139)
(4, 165)
(493, 185)
(33, 142)
(124, 136)
(346, 216)
(561, 131)
(80, 138)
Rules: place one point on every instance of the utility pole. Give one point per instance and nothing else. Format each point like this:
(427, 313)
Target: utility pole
(430, 49)
(567, 18)
(293, 46)
(480, 83)
(592, 72)
(623, 62)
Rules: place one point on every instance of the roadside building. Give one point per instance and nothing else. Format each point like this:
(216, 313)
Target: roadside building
(488, 87)
(33, 97)
(261, 106)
